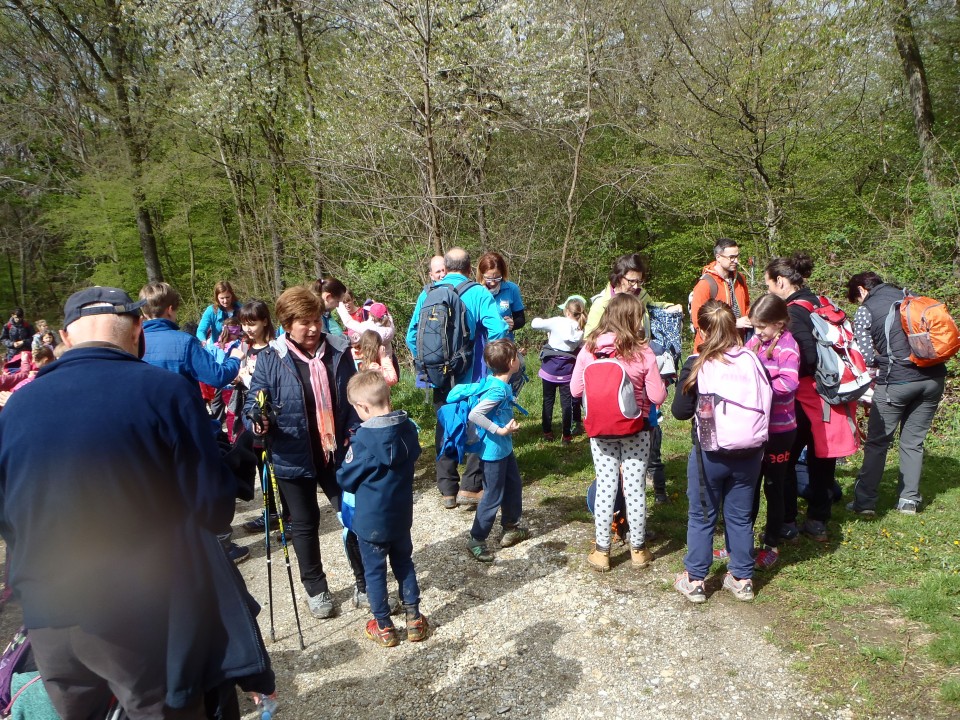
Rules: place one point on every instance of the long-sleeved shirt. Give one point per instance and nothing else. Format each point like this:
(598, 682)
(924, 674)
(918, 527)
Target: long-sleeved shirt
(784, 370)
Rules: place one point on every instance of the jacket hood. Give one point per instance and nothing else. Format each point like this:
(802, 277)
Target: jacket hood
(154, 324)
(393, 437)
(605, 343)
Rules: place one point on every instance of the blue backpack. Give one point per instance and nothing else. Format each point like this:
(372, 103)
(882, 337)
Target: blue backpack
(444, 350)
(454, 418)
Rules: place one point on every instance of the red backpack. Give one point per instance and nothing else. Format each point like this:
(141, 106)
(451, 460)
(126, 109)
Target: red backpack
(610, 401)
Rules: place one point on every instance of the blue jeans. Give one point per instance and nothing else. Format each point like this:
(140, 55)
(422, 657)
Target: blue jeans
(728, 481)
(400, 554)
(502, 488)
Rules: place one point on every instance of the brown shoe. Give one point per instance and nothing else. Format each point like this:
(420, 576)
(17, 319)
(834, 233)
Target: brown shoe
(417, 630)
(465, 497)
(599, 559)
(641, 558)
(449, 502)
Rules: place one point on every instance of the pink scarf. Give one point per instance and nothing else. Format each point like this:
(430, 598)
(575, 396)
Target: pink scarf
(321, 394)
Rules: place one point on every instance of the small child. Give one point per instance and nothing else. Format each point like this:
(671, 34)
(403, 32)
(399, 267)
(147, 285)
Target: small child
(373, 356)
(502, 486)
(557, 360)
(378, 469)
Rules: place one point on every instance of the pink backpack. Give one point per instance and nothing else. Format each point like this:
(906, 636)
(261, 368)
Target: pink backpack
(610, 401)
(733, 409)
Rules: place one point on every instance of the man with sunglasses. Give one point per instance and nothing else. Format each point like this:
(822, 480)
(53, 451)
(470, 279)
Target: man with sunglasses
(721, 281)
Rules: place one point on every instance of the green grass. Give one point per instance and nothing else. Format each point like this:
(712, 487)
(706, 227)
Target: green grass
(871, 615)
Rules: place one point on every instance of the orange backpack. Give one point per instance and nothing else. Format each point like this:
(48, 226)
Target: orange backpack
(930, 330)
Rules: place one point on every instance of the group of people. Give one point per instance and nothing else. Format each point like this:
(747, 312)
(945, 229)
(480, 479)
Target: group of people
(168, 627)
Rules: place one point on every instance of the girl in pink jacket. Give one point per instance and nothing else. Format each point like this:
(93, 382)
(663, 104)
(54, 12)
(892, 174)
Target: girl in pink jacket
(620, 335)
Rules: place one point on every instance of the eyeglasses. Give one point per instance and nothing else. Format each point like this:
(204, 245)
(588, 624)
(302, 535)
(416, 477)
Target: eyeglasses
(492, 279)
(731, 257)
(634, 282)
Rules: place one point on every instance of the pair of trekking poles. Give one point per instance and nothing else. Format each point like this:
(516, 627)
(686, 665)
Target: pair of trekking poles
(266, 412)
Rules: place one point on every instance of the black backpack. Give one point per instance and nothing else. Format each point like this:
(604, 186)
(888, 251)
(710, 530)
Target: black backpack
(444, 350)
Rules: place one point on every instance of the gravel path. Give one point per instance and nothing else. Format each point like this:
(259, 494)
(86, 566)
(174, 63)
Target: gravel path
(534, 635)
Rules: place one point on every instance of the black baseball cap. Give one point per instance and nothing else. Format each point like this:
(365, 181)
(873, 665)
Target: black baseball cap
(99, 300)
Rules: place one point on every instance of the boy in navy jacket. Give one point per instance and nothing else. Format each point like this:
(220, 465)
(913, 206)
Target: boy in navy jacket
(378, 469)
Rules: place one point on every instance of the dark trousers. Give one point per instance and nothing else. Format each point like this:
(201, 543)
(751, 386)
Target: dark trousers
(823, 473)
(82, 671)
(655, 464)
(550, 390)
(502, 490)
(448, 480)
(400, 554)
(300, 499)
(773, 475)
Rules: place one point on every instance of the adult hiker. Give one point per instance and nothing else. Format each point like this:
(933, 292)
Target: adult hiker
(111, 539)
(721, 281)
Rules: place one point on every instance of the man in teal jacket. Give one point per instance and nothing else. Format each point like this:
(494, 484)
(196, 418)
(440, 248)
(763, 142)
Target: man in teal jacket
(484, 323)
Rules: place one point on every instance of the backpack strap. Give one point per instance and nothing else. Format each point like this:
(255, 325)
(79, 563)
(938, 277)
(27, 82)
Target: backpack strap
(9, 708)
(805, 304)
(464, 286)
(712, 284)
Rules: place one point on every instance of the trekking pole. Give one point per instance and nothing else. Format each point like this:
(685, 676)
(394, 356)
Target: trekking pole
(286, 553)
(265, 487)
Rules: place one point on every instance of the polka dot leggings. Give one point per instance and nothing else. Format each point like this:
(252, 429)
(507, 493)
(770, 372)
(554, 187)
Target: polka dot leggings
(610, 456)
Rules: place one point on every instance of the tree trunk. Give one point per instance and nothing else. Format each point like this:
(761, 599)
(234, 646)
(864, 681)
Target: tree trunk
(916, 76)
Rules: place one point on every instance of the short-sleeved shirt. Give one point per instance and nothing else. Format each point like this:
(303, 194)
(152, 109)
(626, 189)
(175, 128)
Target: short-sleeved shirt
(508, 301)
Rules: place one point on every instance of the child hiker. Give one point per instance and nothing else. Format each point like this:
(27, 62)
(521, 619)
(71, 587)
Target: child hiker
(728, 392)
(502, 486)
(373, 355)
(378, 469)
(619, 440)
(557, 358)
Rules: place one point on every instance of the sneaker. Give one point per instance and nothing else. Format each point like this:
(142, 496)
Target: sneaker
(384, 637)
(468, 499)
(549, 436)
(566, 440)
(721, 554)
(641, 557)
(599, 559)
(661, 498)
(766, 558)
(417, 630)
(321, 605)
(256, 526)
(449, 502)
(789, 531)
(907, 507)
(478, 549)
(360, 600)
(815, 529)
(741, 589)
(692, 590)
(862, 512)
(514, 535)
(237, 553)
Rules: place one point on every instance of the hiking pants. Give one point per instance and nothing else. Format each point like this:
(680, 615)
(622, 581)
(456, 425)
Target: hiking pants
(502, 490)
(726, 481)
(655, 464)
(448, 481)
(909, 407)
(400, 554)
(610, 455)
(773, 474)
(822, 471)
(550, 390)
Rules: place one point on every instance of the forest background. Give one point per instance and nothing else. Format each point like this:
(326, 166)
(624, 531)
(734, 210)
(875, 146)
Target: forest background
(271, 141)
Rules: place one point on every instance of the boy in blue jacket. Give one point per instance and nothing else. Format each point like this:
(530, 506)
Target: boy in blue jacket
(502, 486)
(378, 469)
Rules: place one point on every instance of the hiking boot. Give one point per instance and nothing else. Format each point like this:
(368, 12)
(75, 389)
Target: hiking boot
(765, 558)
(741, 589)
(789, 531)
(321, 605)
(384, 637)
(815, 529)
(641, 557)
(566, 440)
(417, 630)
(237, 553)
(549, 437)
(721, 555)
(661, 498)
(360, 600)
(478, 549)
(692, 590)
(256, 526)
(449, 502)
(862, 512)
(514, 535)
(599, 559)
(468, 499)
(907, 507)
